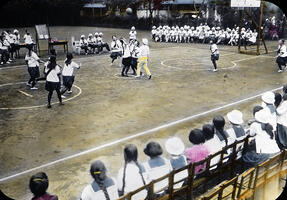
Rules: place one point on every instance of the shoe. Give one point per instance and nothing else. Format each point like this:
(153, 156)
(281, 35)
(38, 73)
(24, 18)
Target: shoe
(280, 71)
(149, 77)
(215, 70)
(49, 106)
(69, 92)
(29, 84)
(63, 97)
(8, 62)
(138, 76)
(34, 88)
(1, 63)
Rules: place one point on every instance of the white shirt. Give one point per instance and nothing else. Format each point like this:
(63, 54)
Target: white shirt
(90, 194)
(53, 75)
(116, 46)
(214, 146)
(133, 35)
(144, 51)
(28, 39)
(133, 180)
(282, 113)
(272, 117)
(214, 49)
(69, 70)
(127, 51)
(83, 42)
(32, 60)
(157, 172)
(264, 143)
(283, 51)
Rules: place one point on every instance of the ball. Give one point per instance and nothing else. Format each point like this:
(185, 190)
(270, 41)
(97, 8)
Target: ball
(129, 11)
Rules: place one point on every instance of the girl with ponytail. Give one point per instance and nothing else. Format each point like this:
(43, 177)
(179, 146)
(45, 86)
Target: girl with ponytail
(103, 187)
(132, 175)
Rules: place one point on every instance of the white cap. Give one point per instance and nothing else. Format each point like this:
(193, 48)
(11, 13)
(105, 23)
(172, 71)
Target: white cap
(100, 33)
(133, 28)
(174, 146)
(262, 116)
(82, 36)
(145, 41)
(268, 97)
(235, 117)
(16, 31)
(90, 35)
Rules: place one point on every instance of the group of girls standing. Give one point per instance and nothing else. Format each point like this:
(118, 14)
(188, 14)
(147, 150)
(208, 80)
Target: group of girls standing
(54, 74)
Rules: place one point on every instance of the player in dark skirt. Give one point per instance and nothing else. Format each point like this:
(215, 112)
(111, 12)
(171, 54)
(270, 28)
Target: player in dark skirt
(134, 48)
(53, 72)
(32, 61)
(126, 58)
(214, 54)
(68, 74)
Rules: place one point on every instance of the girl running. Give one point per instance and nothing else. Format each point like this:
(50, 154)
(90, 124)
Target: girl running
(116, 48)
(68, 74)
(53, 72)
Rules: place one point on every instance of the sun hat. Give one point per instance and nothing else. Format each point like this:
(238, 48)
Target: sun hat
(268, 97)
(235, 117)
(262, 116)
(174, 146)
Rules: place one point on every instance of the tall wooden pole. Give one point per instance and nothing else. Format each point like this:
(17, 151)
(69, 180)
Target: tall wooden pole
(259, 28)
(240, 28)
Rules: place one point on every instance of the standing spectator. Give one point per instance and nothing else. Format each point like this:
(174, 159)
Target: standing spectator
(39, 184)
(281, 58)
(132, 175)
(282, 123)
(4, 51)
(144, 54)
(28, 39)
(214, 55)
(103, 187)
(199, 151)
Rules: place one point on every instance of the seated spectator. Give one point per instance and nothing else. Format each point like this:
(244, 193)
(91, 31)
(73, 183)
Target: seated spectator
(132, 175)
(268, 99)
(282, 123)
(175, 147)
(157, 166)
(236, 132)
(284, 90)
(220, 133)
(199, 151)
(211, 142)
(39, 184)
(251, 158)
(5, 58)
(264, 135)
(103, 187)
(84, 44)
(101, 43)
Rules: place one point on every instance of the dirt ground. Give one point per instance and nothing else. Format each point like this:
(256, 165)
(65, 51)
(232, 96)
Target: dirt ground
(106, 112)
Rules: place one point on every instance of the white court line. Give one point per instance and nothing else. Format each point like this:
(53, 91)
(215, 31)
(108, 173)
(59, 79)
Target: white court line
(25, 93)
(150, 131)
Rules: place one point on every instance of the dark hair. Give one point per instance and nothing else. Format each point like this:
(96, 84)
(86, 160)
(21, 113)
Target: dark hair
(285, 97)
(98, 172)
(278, 99)
(53, 63)
(269, 129)
(69, 58)
(153, 149)
(39, 184)
(196, 136)
(256, 109)
(53, 52)
(219, 123)
(130, 155)
(208, 131)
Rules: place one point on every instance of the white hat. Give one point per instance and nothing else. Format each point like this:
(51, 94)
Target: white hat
(262, 116)
(82, 36)
(90, 35)
(133, 28)
(96, 33)
(16, 31)
(268, 97)
(174, 146)
(101, 33)
(145, 41)
(235, 117)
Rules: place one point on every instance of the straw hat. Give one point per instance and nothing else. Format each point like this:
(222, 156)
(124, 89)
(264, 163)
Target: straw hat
(174, 146)
(268, 97)
(235, 117)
